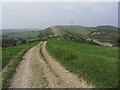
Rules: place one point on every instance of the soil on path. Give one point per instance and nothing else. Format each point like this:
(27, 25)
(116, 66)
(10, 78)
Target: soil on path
(35, 71)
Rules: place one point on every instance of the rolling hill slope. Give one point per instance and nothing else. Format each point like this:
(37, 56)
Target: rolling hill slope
(103, 35)
(77, 30)
(21, 34)
(96, 64)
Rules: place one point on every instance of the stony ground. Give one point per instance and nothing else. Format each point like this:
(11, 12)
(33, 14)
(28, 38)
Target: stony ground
(35, 71)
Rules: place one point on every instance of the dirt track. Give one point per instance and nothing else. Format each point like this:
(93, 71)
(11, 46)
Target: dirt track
(37, 72)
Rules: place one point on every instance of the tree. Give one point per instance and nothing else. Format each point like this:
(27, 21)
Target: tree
(8, 42)
(118, 41)
(23, 42)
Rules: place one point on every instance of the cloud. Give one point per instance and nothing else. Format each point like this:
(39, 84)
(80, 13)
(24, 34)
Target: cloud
(42, 15)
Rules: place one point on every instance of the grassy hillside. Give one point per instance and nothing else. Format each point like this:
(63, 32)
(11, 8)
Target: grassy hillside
(25, 35)
(14, 31)
(106, 27)
(44, 34)
(10, 52)
(101, 34)
(110, 36)
(17, 37)
(73, 33)
(78, 30)
(96, 64)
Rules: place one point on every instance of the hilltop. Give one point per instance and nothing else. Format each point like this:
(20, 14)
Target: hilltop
(102, 35)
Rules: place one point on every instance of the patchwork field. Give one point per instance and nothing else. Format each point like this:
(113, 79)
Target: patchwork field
(96, 64)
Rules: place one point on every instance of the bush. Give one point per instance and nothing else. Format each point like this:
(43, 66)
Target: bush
(23, 42)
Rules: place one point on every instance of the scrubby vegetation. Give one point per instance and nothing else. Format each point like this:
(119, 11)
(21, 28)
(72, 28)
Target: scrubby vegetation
(110, 36)
(45, 34)
(102, 34)
(107, 27)
(96, 64)
(77, 30)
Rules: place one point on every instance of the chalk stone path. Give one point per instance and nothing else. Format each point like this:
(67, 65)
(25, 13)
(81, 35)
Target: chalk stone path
(34, 71)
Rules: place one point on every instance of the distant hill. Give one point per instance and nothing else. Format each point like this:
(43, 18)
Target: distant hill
(103, 35)
(75, 33)
(14, 31)
(77, 30)
(106, 27)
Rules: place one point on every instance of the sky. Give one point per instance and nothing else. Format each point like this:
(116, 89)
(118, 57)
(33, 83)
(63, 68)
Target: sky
(18, 15)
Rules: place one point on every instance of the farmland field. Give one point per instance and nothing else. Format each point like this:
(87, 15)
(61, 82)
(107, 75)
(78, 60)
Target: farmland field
(25, 35)
(10, 52)
(96, 64)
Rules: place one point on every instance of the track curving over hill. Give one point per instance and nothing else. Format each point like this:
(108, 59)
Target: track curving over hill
(35, 71)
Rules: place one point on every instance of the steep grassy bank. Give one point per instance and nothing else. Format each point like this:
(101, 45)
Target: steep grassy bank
(96, 64)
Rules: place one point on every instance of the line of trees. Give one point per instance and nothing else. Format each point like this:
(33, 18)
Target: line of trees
(8, 42)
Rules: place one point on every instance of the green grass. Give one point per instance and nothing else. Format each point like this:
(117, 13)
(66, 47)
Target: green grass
(10, 52)
(78, 30)
(25, 35)
(16, 57)
(33, 39)
(105, 36)
(96, 64)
